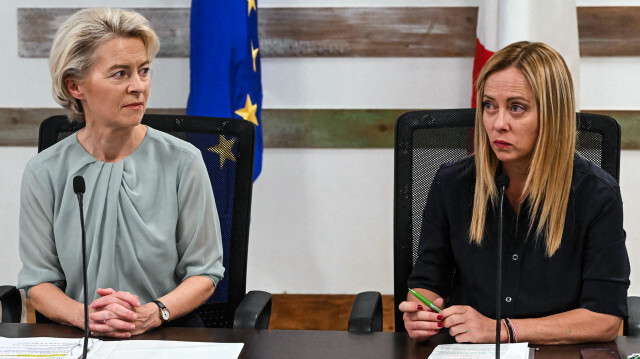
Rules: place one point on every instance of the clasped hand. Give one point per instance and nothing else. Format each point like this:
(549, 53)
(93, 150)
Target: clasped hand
(465, 324)
(120, 315)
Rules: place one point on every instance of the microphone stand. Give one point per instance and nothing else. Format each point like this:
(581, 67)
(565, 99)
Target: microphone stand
(503, 184)
(78, 188)
(84, 278)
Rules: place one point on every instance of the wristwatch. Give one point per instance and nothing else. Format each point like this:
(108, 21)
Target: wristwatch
(164, 312)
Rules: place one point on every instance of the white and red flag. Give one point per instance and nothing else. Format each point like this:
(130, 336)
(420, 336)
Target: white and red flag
(502, 22)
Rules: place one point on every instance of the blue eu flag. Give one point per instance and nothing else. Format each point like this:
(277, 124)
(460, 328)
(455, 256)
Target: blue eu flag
(225, 82)
(225, 64)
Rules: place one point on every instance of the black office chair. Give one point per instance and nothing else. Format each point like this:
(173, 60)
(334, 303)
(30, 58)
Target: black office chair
(229, 306)
(424, 141)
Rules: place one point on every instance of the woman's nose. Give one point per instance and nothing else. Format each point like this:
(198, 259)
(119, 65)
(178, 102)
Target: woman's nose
(501, 122)
(137, 84)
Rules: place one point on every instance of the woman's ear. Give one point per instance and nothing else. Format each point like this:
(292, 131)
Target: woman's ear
(74, 88)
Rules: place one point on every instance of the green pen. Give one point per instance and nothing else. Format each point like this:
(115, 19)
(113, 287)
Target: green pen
(425, 301)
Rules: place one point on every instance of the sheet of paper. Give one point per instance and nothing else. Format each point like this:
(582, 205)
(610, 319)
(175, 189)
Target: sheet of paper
(161, 349)
(480, 351)
(44, 347)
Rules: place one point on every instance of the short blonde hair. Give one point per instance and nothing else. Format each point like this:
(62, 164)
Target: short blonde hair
(550, 173)
(76, 41)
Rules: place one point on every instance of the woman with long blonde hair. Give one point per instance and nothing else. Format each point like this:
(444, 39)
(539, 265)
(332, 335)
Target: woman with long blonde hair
(567, 270)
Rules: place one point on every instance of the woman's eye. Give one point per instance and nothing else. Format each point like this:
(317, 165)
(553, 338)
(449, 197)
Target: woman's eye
(488, 106)
(119, 74)
(144, 72)
(517, 108)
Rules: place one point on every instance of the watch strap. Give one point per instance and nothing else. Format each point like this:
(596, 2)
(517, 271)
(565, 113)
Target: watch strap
(161, 308)
(159, 304)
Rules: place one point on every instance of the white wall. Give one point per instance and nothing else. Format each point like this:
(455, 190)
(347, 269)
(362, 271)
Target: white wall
(321, 219)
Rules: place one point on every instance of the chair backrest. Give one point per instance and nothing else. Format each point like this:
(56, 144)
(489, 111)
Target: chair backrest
(231, 180)
(427, 139)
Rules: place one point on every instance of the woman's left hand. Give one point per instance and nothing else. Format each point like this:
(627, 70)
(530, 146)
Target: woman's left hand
(147, 318)
(468, 326)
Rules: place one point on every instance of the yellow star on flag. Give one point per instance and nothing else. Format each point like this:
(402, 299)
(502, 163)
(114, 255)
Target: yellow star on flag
(249, 112)
(223, 149)
(252, 5)
(254, 54)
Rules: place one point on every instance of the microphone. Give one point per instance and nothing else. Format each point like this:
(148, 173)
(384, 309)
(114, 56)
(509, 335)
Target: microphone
(78, 188)
(502, 183)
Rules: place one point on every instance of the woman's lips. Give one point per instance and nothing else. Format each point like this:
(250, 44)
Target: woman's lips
(501, 144)
(135, 105)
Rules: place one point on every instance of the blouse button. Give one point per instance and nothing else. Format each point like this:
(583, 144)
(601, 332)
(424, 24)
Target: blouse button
(508, 299)
(514, 257)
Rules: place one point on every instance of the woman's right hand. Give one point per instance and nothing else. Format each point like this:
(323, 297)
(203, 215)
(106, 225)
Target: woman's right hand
(420, 321)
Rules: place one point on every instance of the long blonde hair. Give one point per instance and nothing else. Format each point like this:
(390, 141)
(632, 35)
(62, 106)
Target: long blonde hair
(549, 180)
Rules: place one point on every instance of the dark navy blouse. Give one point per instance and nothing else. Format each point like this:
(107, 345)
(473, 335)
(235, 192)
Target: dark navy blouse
(590, 269)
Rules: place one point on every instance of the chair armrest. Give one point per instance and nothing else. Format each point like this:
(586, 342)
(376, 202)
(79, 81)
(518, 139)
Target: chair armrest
(254, 311)
(632, 324)
(11, 304)
(366, 313)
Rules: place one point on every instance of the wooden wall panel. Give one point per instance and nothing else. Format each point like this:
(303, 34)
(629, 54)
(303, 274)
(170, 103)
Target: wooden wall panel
(329, 128)
(37, 27)
(321, 312)
(609, 31)
(294, 128)
(19, 126)
(368, 32)
(353, 32)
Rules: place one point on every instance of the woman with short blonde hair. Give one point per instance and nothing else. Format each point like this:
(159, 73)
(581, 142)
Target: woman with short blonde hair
(154, 248)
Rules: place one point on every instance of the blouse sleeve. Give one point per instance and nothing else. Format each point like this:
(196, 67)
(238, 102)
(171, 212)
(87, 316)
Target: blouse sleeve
(433, 268)
(199, 241)
(606, 263)
(37, 245)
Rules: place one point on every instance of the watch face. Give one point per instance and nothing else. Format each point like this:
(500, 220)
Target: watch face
(165, 314)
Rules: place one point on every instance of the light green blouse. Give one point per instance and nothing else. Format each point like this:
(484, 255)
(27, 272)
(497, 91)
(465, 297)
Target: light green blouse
(151, 219)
